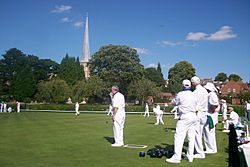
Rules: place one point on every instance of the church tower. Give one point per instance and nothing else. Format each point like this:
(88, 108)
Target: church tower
(85, 51)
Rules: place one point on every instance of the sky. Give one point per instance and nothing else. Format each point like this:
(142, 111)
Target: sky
(213, 35)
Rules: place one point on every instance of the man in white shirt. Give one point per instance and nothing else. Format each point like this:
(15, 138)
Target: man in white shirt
(158, 114)
(146, 110)
(186, 124)
(212, 119)
(247, 107)
(77, 109)
(224, 109)
(18, 107)
(1, 107)
(233, 118)
(202, 102)
(118, 103)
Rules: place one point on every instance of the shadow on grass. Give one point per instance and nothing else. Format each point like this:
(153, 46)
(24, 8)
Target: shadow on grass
(109, 139)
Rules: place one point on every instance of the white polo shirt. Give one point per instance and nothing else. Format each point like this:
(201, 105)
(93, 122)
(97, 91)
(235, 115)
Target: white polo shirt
(234, 117)
(186, 102)
(202, 100)
(119, 102)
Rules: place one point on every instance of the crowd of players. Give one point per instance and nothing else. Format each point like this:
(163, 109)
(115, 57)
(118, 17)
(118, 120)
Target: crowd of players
(197, 107)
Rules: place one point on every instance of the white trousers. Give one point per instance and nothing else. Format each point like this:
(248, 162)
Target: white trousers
(159, 119)
(185, 126)
(210, 138)
(77, 111)
(18, 110)
(198, 145)
(146, 113)
(118, 126)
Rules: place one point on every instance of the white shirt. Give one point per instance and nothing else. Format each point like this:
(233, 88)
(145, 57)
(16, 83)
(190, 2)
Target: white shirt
(186, 102)
(213, 99)
(224, 108)
(234, 117)
(77, 106)
(146, 108)
(201, 95)
(248, 106)
(119, 102)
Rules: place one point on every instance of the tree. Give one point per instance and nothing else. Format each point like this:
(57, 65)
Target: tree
(155, 76)
(181, 70)
(116, 64)
(55, 91)
(12, 68)
(92, 87)
(234, 77)
(143, 88)
(70, 70)
(23, 85)
(221, 77)
(159, 68)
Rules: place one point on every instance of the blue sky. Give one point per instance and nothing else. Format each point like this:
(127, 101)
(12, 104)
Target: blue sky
(213, 35)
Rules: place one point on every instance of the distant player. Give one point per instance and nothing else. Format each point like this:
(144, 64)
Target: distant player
(18, 107)
(9, 109)
(110, 110)
(146, 110)
(175, 111)
(77, 109)
(158, 114)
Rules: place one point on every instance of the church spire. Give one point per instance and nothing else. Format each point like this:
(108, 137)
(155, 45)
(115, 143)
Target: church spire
(85, 50)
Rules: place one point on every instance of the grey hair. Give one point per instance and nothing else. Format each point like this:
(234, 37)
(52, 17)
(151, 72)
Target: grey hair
(116, 88)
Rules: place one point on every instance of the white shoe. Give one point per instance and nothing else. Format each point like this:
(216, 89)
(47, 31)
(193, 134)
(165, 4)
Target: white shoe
(174, 161)
(156, 124)
(210, 152)
(116, 145)
(199, 156)
(188, 159)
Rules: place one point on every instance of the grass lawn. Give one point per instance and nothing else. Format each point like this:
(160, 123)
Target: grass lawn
(32, 139)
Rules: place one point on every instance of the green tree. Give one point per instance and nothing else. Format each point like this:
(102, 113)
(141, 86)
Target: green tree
(23, 85)
(234, 77)
(181, 70)
(12, 67)
(155, 76)
(221, 77)
(55, 91)
(116, 64)
(92, 87)
(143, 88)
(70, 70)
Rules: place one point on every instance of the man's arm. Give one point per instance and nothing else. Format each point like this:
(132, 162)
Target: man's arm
(115, 109)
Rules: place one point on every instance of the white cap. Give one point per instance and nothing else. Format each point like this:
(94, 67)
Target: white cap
(210, 86)
(195, 80)
(186, 83)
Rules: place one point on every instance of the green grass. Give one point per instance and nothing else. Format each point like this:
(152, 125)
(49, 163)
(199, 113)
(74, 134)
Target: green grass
(33, 139)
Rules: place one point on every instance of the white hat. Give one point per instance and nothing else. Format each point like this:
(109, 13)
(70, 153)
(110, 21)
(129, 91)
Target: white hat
(210, 86)
(186, 83)
(195, 80)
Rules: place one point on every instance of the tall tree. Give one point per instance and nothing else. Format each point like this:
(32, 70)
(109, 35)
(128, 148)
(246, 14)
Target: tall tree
(70, 70)
(221, 77)
(116, 64)
(55, 91)
(234, 77)
(181, 70)
(23, 85)
(143, 88)
(91, 87)
(12, 67)
(155, 76)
